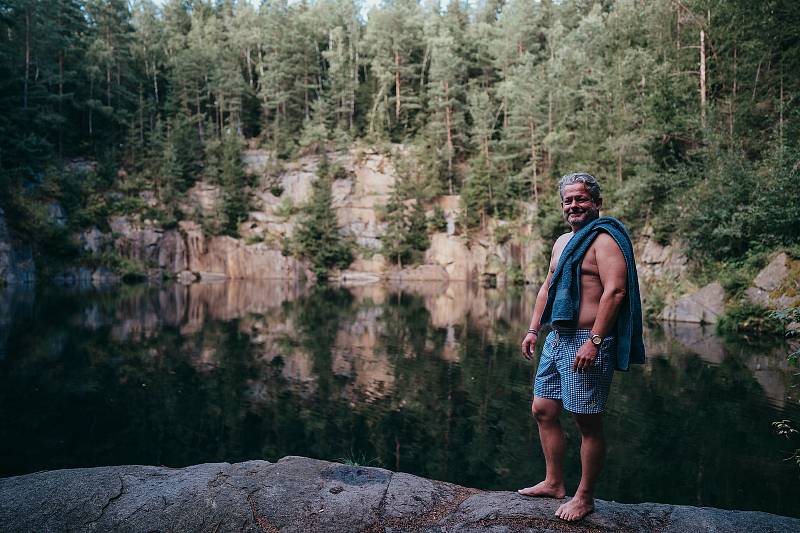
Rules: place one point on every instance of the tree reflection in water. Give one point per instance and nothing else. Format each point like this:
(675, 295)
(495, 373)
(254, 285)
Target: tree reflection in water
(425, 379)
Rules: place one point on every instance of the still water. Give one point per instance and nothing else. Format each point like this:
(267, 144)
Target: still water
(424, 379)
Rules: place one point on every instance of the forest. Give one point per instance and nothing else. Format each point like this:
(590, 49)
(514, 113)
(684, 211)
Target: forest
(687, 110)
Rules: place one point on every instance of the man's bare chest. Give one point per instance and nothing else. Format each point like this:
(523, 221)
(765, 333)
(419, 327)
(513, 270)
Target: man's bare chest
(589, 267)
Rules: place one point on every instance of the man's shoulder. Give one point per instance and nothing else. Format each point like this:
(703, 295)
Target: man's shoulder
(605, 244)
(562, 239)
(604, 239)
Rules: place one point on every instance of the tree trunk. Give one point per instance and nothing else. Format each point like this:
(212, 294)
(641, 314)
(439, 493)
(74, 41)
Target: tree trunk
(197, 110)
(780, 115)
(60, 100)
(249, 66)
(732, 101)
(397, 85)
(448, 123)
(755, 83)
(702, 78)
(354, 86)
(532, 131)
(305, 87)
(27, 58)
(91, 97)
(141, 114)
(108, 70)
(108, 85)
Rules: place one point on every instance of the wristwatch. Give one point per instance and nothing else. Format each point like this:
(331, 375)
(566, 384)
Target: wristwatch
(597, 340)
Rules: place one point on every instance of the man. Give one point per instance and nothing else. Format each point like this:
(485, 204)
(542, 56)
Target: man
(591, 299)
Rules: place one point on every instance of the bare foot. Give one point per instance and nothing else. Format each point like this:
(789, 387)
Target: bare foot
(545, 488)
(575, 509)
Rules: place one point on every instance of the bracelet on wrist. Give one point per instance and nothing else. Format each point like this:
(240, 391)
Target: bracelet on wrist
(534, 331)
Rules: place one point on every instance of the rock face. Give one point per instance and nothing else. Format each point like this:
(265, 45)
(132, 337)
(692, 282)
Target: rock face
(299, 494)
(187, 252)
(657, 261)
(703, 306)
(229, 258)
(777, 286)
(16, 258)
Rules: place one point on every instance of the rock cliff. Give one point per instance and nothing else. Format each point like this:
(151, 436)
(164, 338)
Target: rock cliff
(361, 189)
(299, 494)
(16, 257)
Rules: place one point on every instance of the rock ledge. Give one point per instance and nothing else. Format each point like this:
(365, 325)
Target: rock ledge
(300, 494)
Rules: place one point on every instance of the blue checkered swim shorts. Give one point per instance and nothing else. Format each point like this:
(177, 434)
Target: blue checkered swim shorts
(580, 392)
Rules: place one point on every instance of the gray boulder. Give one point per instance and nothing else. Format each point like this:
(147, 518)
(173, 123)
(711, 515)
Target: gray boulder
(92, 240)
(57, 214)
(299, 494)
(777, 285)
(703, 306)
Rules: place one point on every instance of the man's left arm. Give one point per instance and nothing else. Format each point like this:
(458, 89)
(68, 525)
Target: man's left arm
(613, 277)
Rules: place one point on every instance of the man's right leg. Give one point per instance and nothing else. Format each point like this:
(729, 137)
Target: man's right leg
(546, 412)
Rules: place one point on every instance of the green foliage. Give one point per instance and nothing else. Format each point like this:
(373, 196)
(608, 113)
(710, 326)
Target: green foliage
(406, 235)
(129, 270)
(496, 100)
(502, 233)
(515, 276)
(317, 237)
(735, 275)
(286, 208)
(746, 317)
(181, 161)
(550, 220)
(736, 206)
(437, 220)
(477, 198)
(235, 185)
(790, 315)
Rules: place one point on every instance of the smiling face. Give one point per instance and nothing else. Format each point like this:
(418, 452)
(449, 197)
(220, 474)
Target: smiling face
(578, 206)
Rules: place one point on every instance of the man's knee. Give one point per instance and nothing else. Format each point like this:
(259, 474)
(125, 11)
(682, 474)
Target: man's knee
(545, 409)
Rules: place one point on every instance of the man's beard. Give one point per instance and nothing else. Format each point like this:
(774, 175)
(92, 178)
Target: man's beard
(590, 215)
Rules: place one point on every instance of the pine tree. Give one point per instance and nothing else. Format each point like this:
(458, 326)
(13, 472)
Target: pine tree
(446, 125)
(393, 39)
(235, 191)
(317, 237)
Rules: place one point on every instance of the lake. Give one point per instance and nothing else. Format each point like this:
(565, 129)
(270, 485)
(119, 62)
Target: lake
(425, 379)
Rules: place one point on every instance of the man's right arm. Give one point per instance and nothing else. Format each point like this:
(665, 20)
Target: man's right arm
(529, 342)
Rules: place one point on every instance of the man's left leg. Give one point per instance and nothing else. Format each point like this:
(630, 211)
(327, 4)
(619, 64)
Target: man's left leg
(593, 452)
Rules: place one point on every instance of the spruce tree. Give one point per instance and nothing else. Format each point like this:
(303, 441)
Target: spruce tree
(317, 237)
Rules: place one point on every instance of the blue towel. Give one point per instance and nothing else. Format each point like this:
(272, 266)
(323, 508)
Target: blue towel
(564, 293)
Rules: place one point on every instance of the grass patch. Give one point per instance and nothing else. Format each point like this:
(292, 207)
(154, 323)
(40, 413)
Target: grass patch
(746, 317)
(359, 459)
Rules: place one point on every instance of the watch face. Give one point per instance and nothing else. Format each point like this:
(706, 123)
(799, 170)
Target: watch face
(597, 340)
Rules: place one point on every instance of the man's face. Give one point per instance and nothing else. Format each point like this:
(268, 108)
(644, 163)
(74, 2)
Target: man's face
(578, 207)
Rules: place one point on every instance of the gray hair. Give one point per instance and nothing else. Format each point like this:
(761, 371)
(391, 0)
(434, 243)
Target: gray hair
(580, 177)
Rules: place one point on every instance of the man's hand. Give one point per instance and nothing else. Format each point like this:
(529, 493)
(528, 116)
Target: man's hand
(528, 344)
(585, 357)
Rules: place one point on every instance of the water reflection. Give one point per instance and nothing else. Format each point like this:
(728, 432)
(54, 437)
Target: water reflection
(421, 378)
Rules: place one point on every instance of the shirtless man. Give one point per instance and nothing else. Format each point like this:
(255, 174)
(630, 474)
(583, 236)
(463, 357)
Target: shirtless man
(578, 359)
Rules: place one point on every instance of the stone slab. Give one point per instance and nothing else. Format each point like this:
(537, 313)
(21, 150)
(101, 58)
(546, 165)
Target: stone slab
(301, 494)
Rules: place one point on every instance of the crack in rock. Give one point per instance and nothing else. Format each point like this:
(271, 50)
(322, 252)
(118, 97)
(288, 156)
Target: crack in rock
(108, 502)
(439, 513)
(263, 524)
(382, 503)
